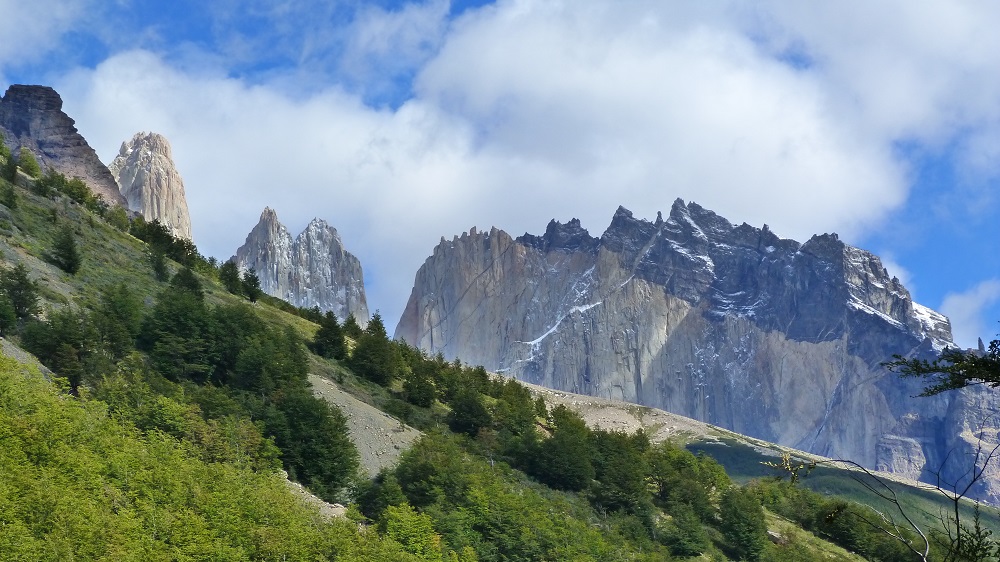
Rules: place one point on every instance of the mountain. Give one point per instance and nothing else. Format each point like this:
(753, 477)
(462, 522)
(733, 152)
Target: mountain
(314, 269)
(145, 172)
(730, 325)
(32, 117)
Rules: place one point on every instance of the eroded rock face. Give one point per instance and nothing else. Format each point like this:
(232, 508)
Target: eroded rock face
(32, 117)
(314, 269)
(150, 183)
(725, 324)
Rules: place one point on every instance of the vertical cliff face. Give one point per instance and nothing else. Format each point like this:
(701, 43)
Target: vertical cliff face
(726, 324)
(145, 172)
(32, 117)
(313, 269)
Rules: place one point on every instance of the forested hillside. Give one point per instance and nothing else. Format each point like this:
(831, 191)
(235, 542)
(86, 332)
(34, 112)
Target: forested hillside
(174, 392)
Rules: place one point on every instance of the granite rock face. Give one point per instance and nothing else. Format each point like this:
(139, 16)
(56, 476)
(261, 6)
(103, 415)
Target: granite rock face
(32, 117)
(145, 172)
(726, 324)
(311, 270)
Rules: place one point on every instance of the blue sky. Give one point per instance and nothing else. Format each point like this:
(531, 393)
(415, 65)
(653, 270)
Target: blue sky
(402, 122)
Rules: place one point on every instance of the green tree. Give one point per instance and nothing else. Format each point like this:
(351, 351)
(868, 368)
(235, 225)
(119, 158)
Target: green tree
(329, 339)
(563, 461)
(9, 169)
(8, 318)
(118, 319)
(20, 290)
(65, 255)
(415, 531)
(684, 534)
(374, 357)
(229, 276)
(953, 369)
(251, 285)
(158, 262)
(742, 523)
(351, 327)
(28, 164)
(8, 195)
(468, 413)
(117, 217)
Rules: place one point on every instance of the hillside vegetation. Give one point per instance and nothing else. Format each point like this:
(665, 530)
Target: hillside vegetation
(176, 393)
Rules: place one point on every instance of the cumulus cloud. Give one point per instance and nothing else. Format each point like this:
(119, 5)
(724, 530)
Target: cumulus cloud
(523, 111)
(966, 312)
(30, 30)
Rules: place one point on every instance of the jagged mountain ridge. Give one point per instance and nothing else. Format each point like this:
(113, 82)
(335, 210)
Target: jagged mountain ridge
(32, 117)
(144, 171)
(725, 324)
(313, 269)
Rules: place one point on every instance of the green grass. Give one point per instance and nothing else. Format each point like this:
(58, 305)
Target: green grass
(744, 463)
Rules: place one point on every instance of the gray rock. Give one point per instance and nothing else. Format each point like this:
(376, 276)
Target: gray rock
(314, 269)
(145, 172)
(726, 324)
(32, 117)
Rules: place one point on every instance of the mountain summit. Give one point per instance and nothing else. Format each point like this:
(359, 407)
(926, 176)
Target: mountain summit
(726, 324)
(150, 183)
(32, 117)
(314, 269)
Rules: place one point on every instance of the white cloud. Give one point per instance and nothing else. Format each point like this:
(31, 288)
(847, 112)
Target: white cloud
(966, 312)
(525, 111)
(32, 29)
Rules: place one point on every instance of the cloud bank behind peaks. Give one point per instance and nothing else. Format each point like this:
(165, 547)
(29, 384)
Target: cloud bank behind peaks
(519, 112)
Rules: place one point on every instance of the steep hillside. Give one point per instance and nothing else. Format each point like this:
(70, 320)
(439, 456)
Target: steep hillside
(726, 324)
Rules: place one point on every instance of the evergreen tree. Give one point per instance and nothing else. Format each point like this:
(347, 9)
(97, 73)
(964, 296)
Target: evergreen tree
(468, 413)
(563, 460)
(65, 255)
(118, 319)
(329, 339)
(351, 327)
(8, 195)
(158, 261)
(20, 290)
(9, 170)
(229, 276)
(684, 534)
(251, 285)
(742, 523)
(374, 357)
(186, 280)
(8, 318)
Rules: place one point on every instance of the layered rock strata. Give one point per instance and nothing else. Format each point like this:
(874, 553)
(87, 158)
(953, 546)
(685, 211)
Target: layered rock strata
(32, 117)
(145, 172)
(726, 324)
(311, 270)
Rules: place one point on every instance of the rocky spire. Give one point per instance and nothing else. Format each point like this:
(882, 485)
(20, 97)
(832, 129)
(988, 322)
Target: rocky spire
(150, 183)
(314, 269)
(32, 117)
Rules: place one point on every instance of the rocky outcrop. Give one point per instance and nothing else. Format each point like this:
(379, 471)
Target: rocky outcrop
(314, 269)
(32, 117)
(726, 324)
(150, 183)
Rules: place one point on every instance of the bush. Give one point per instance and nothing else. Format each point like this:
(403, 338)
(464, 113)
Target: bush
(28, 164)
